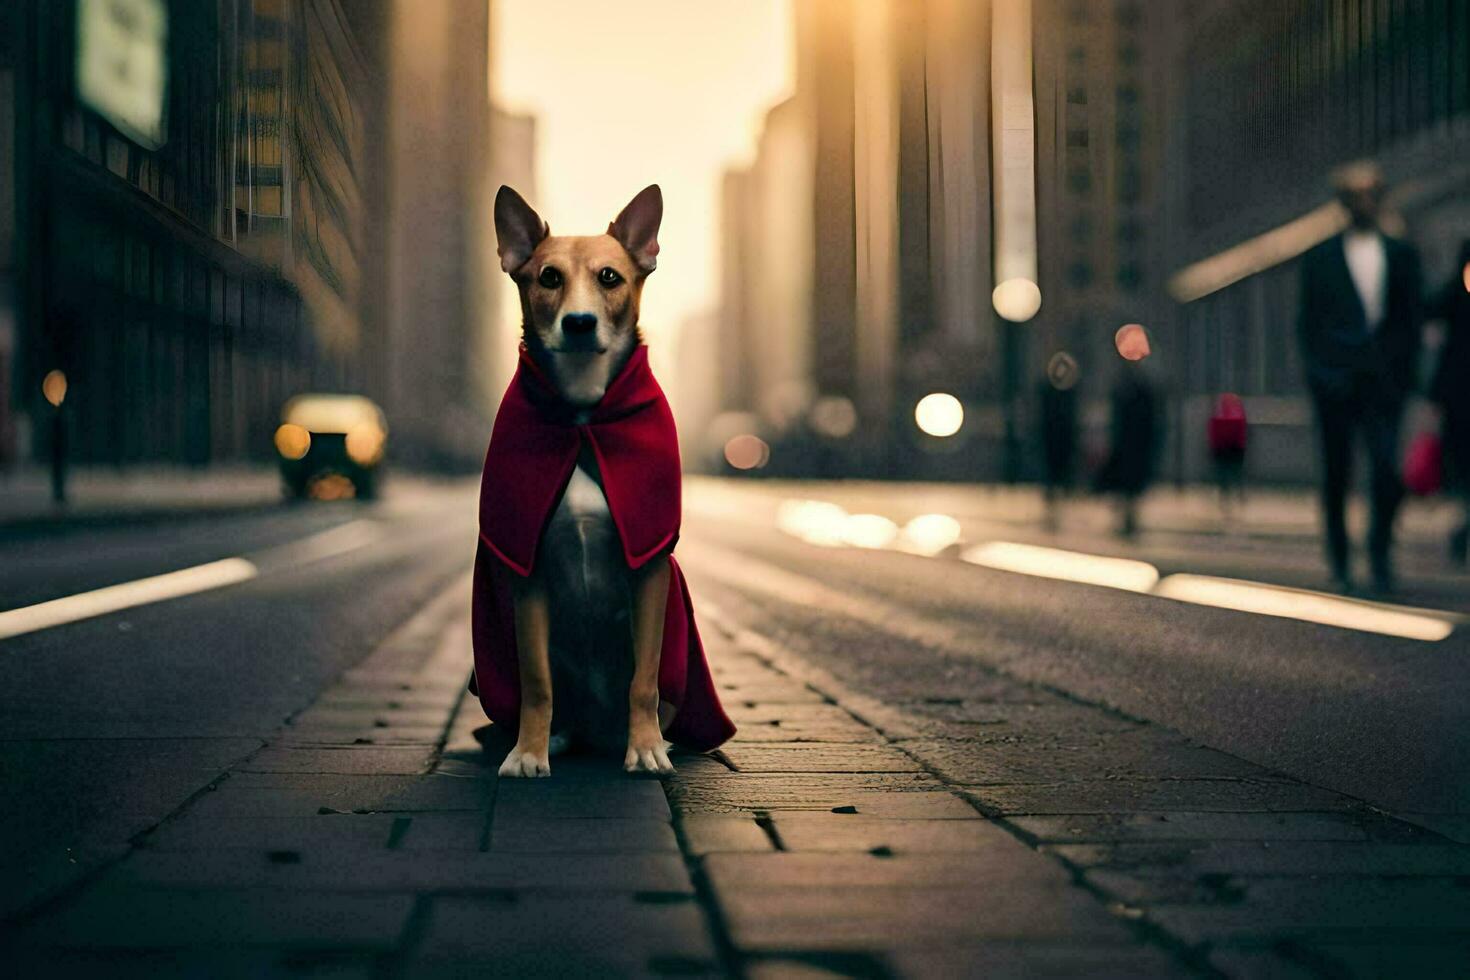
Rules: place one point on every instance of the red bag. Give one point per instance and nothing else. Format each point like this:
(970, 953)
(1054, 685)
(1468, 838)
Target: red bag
(1227, 427)
(1424, 465)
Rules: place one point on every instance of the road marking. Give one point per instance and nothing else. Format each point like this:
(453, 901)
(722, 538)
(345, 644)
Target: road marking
(827, 524)
(187, 581)
(1310, 607)
(100, 602)
(1068, 566)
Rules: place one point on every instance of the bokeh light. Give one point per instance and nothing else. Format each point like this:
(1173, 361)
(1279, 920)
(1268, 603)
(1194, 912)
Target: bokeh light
(1063, 371)
(1132, 342)
(365, 444)
(929, 534)
(53, 388)
(939, 414)
(834, 416)
(747, 452)
(868, 531)
(1018, 300)
(292, 441)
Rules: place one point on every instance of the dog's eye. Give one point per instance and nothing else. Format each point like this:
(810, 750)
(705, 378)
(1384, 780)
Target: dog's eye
(550, 278)
(609, 277)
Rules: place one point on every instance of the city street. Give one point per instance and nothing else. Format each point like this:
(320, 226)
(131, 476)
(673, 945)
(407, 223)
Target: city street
(945, 765)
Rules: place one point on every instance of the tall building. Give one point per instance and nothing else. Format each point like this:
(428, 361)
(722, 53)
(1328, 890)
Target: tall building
(213, 206)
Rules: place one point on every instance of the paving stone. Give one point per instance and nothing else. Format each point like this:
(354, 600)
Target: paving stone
(295, 794)
(789, 714)
(592, 936)
(348, 831)
(1275, 907)
(526, 834)
(801, 730)
(1456, 827)
(846, 832)
(296, 735)
(1135, 795)
(365, 717)
(630, 797)
(822, 966)
(712, 833)
(30, 879)
(346, 760)
(455, 831)
(1141, 754)
(339, 870)
(377, 699)
(786, 757)
(811, 919)
(1260, 963)
(1033, 961)
(122, 915)
(727, 791)
(1273, 858)
(193, 963)
(1404, 955)
(1124, 827)
(1011, 867)
(782, 691)
(1148, 890)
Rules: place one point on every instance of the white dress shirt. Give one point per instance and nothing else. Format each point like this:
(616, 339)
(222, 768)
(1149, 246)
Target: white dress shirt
(1367, 262)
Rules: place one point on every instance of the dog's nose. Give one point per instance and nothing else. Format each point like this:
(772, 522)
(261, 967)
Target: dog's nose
(579, 324)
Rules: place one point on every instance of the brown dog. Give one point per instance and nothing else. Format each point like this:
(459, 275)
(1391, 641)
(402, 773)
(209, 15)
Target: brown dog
(582, 617)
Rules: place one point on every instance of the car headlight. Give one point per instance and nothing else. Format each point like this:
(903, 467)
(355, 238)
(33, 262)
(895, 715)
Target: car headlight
(365, 444)
(292, 441)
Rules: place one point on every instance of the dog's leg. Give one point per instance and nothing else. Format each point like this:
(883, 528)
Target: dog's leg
(646, 750)
(531, 756)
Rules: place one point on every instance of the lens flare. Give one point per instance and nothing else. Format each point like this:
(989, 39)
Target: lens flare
(939, 414)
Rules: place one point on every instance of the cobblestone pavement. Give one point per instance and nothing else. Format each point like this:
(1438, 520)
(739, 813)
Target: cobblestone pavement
(1008, 832)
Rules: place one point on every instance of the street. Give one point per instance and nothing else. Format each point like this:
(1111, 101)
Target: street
(1162, 786)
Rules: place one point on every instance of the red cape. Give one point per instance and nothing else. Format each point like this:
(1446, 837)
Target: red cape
(533, 448)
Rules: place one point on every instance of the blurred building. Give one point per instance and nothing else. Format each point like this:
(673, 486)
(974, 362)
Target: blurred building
(1270, 97)
(857, 245)
(211, 206)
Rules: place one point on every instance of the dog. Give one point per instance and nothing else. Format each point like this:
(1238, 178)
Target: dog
(588, 628)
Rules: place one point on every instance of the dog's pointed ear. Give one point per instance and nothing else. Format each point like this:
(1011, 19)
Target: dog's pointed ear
(518, 229)
(636, 228)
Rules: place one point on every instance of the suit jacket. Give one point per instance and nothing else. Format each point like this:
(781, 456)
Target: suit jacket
(1338, 348)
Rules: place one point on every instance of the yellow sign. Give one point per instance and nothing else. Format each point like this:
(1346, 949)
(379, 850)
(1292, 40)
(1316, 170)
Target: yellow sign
(122, 65)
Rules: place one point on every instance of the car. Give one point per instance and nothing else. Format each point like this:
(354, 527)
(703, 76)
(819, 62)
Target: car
(331, 446)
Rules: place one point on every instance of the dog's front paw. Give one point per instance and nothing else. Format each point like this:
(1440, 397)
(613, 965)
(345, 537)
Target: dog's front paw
(650, 755)
(526, 763)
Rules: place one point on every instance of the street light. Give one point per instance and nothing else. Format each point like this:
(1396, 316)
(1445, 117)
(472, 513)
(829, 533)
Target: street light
(1017, 300)
(939, 414)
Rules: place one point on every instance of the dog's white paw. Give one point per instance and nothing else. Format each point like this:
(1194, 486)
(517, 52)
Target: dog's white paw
(654, 759)
(521, 764)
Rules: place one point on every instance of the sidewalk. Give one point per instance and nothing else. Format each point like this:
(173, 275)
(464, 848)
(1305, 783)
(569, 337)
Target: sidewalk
(1267, 512)
(833, 836)
(103, 494)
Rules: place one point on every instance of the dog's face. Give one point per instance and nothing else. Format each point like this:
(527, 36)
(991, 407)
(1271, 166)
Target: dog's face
(579, 294)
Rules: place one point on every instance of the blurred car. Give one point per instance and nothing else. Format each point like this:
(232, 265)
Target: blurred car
(331, 446)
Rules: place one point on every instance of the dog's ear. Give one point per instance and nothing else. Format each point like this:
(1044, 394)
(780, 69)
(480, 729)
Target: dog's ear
(636, 228)
(518, 229)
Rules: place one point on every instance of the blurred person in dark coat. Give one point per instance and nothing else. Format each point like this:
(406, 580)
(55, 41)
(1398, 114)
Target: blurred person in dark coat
(1057, 394)
(1450, 390)
(1136, 429)
(1358, 327)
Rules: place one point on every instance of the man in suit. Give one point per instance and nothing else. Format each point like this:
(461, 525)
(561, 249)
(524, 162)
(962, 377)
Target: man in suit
(1358, 327)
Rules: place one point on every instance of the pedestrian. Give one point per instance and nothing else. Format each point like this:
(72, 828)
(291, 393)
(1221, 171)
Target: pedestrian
(1450, 391)
(1358, 327)
(1227, 436)
(1058, 431)
(1135, 430)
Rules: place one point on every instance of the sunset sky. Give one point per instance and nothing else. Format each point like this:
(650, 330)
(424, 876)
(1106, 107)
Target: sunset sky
(639, 92)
